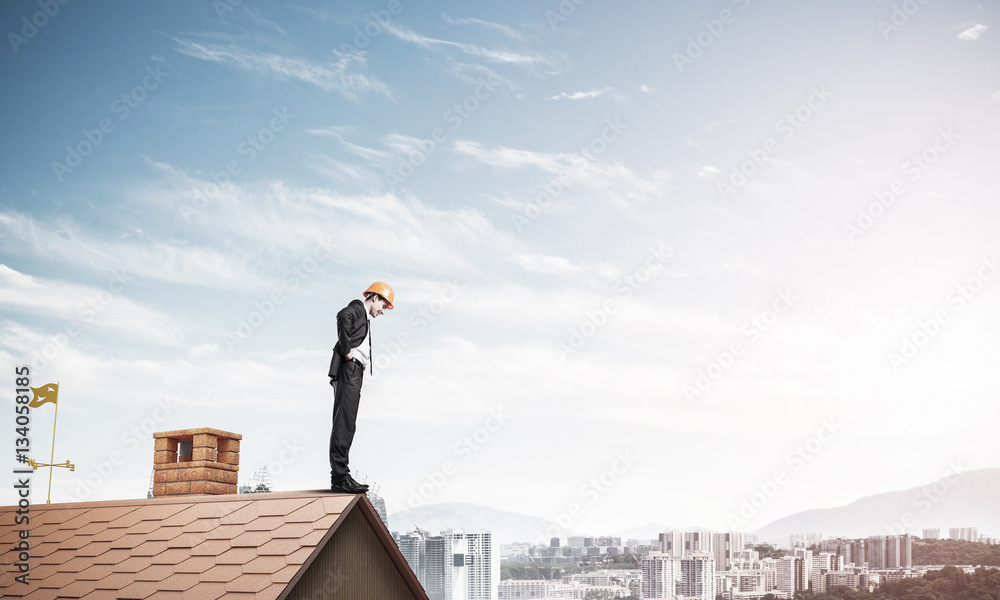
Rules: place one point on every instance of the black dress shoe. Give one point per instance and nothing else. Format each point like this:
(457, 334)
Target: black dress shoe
(346, 485)
(356, 483)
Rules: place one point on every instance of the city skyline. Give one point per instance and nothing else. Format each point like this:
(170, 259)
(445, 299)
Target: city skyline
(658, 260)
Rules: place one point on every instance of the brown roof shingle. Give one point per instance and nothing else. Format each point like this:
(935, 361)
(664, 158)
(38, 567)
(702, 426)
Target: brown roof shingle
(204, 547)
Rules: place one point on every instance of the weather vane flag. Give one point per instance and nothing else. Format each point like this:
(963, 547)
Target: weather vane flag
(43, 395)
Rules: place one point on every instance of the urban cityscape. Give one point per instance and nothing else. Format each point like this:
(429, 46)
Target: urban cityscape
(704, 565)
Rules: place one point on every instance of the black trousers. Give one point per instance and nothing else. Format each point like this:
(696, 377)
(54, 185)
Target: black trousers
(346, 397)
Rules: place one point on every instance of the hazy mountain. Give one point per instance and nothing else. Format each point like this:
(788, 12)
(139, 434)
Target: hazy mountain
(964, 499)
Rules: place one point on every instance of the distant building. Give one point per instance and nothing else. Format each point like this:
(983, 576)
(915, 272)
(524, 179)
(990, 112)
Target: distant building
(744, 555)
(805, 539)
(969, 534)
(850, 551)
(379, 505)
(791, 576)
(851, 578)
(659, 575)
(672, 543)
(725, 546)
(931, 534)
(454, 565)
(890, 552)
(823, 563)
(475, 565)
(697, 576)
(807, 564)
(516, 589)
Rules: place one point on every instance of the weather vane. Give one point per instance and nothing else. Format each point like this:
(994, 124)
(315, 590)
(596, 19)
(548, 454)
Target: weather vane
(43, 395)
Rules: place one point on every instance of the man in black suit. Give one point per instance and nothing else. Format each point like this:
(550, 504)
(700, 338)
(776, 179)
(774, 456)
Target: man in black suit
(351, 356)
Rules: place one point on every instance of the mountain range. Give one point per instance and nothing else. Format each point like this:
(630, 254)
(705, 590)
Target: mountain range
(960, 499)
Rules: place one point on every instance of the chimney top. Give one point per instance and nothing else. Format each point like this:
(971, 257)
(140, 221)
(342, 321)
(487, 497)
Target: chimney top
(195, 462)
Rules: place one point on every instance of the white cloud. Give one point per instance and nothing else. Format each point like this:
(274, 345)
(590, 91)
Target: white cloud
(174, 262)
(344, 173)
(692, 143)
(363, 152)
(538, 263)
(645, 89)
(595, 93)
(285, 222)
(477, 75)
(973, 33)
(334, 76)
(611, 181)
(87, 306)
(498, 56)
(504, 29)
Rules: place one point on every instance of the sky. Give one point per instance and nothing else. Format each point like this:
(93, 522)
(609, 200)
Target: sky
(653, 262)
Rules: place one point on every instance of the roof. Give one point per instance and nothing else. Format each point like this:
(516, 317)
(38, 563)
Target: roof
(206, 547)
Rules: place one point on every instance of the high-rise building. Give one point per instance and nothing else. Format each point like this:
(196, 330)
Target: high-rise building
(475, 565)
(437, 575)
(791, 576)
(698, 541)
(969, 534)
(823, 563)
(454, 565)
(659, 575)
(807, 564)
(412, 547)
(672, 543)
(931, 534)
(726, 545)
(890, 551)
(850, 551)
(697, 576)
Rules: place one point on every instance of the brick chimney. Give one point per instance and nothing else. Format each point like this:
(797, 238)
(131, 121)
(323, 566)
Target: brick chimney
(195, 462)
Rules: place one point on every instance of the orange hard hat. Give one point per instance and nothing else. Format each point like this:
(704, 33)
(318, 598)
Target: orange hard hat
(382, 289)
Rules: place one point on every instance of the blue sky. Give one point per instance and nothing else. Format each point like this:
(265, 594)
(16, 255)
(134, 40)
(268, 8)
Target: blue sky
(695, 234)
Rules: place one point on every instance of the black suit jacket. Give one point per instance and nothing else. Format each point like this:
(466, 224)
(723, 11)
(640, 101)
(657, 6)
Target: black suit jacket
(352, 327)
